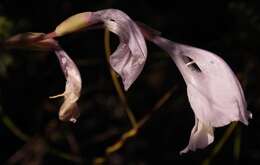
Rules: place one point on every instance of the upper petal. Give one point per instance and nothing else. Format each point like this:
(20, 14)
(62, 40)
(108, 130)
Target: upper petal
(215, 93)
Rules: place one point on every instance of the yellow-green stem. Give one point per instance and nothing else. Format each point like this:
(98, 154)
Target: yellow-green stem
(237, 144)
(116, 82)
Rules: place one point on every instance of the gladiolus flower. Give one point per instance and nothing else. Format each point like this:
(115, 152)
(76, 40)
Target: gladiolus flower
(129, 57)
(38, 41)
(214, 92)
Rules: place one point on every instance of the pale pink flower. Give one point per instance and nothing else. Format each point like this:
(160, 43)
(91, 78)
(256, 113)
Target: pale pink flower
(214, 91)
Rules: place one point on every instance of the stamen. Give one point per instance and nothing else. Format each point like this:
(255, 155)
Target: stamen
(73, 120)
(189, 63)
(56, 96)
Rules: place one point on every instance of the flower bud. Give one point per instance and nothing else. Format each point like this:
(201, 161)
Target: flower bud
(72, 24)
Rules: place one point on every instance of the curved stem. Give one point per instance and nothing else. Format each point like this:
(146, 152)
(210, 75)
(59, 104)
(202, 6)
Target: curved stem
(116, 82)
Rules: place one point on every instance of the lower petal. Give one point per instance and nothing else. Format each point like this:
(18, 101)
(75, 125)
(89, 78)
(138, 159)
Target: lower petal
(201, 136)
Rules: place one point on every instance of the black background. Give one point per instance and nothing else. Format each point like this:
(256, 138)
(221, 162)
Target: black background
(229, 28)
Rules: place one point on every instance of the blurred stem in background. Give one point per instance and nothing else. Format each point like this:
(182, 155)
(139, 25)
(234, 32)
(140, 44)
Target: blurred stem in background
(12, 127)
(26, 138)
(132, 132)
(221, 143)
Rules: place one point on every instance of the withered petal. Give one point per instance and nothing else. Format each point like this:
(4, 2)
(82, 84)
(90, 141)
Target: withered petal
(69, 110)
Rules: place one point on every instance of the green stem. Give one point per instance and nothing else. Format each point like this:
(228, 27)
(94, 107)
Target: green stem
(237, 145)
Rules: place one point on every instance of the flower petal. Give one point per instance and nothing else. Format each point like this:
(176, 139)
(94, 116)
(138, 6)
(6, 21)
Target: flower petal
(129, 58)
(69, 110)
(201, 136)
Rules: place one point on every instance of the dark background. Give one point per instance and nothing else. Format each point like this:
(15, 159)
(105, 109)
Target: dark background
(228, 28)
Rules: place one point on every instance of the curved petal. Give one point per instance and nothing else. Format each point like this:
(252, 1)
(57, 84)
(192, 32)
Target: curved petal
(129, 58)
(201, 136)
(69, 110)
